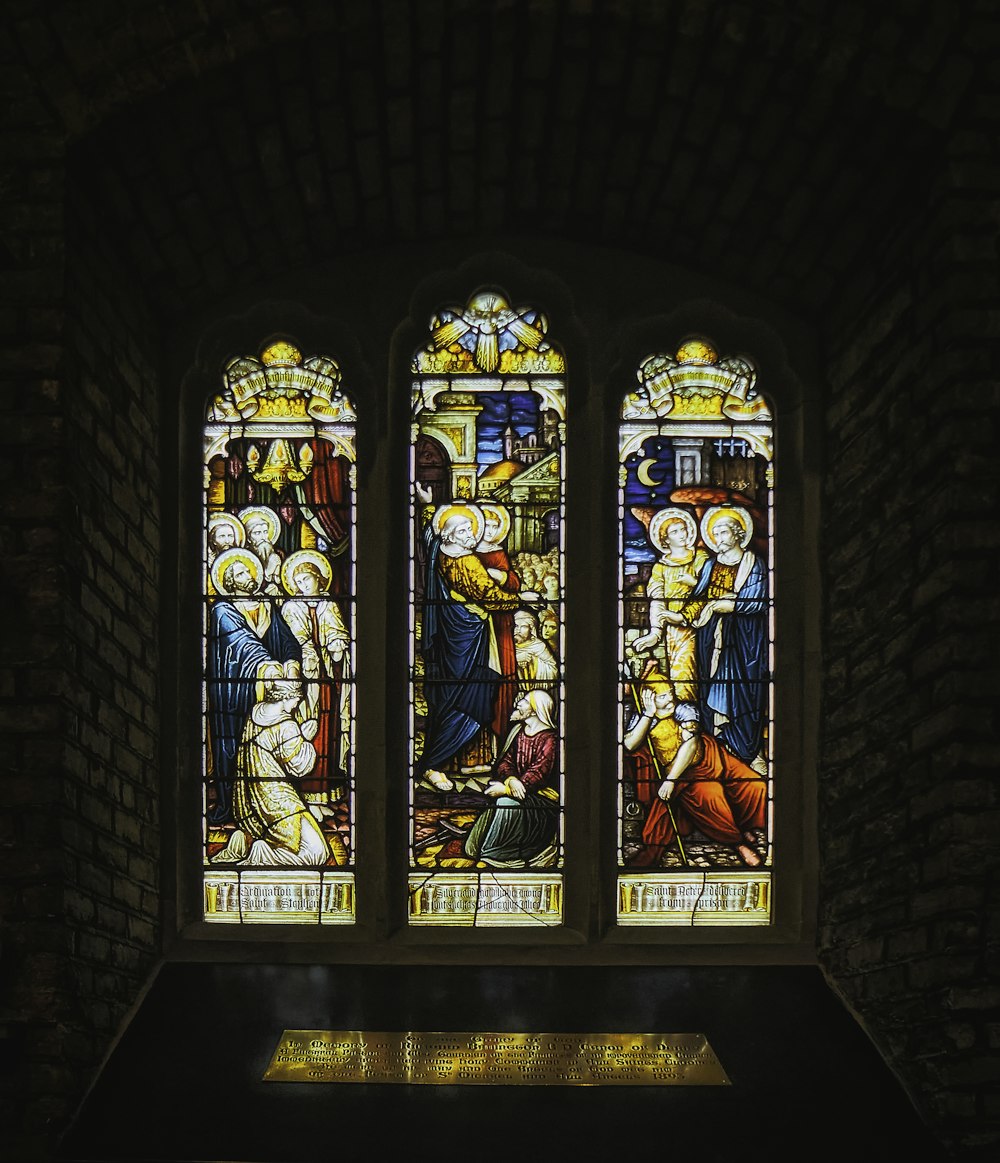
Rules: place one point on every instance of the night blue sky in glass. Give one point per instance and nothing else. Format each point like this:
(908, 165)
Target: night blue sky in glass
(519, 410)
(658, 450)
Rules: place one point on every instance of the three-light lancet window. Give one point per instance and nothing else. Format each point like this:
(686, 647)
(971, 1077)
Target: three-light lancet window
(486, 591)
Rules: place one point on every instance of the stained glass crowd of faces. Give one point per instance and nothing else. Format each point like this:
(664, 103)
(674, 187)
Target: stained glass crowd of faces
(279, 674)
(697, 633)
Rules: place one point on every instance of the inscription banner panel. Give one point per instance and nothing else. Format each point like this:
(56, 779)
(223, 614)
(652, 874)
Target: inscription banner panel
(280, 897)
(693, 898)
(495, 1059)
(486, 899)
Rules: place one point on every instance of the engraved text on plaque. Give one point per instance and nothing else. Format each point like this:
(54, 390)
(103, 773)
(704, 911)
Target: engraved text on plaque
(498, 1059)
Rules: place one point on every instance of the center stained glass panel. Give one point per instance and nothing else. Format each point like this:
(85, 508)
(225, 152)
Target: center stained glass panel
(486, 620)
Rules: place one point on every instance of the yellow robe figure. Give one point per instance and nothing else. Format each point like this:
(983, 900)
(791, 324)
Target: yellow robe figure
(669, 585)
(274, 828)
(316, 622)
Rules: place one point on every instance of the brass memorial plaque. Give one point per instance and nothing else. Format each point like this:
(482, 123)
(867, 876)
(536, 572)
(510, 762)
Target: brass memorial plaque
(495, 1059)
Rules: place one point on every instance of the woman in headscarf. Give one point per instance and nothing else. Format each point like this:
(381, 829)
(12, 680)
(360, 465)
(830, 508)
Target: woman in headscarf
(520, 828)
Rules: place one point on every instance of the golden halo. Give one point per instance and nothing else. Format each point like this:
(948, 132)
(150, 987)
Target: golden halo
(230, 557)
(232, 521)
(268, 516)
(737, 514)
(658, 526)
(300, 557)
(502, 515)
(457, 509)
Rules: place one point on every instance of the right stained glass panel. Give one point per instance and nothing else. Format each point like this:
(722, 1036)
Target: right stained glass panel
(696, 643)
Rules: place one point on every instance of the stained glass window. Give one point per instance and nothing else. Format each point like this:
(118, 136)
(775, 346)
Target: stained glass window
(696, 643)
(279, 657)
(486, 619)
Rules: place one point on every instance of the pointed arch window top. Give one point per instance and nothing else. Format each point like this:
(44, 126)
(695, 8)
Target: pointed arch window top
(696, 384)
(488, 335)
(281, 386)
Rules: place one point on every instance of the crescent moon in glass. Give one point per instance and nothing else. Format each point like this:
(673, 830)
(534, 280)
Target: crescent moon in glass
(642, 473)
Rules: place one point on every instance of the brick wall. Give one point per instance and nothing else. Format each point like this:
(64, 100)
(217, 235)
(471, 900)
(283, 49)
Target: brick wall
(111, 786)
(910, 807)
(35, 947)
(79, 843)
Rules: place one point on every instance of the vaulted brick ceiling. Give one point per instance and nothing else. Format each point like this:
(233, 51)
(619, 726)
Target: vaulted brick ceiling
(779, 145)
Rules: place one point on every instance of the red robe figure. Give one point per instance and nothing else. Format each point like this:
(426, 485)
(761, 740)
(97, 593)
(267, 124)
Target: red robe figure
(709, 789)
(493, 555)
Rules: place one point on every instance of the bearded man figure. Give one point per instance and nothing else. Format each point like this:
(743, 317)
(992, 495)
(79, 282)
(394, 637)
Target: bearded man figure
(728, 609)
(713, 792)
(536, 664)
(262, 526)
(244, 632)
(462, 663)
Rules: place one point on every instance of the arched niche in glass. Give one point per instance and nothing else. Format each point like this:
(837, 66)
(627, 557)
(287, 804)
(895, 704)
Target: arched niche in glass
(696, 643)
(486, 619)
(279, 678)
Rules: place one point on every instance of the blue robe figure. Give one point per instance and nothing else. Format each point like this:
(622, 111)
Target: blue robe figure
(234, 654)
(459, 684)
(731, 653)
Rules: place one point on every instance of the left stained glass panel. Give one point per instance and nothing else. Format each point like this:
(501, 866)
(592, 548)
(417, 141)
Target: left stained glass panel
(279, 694)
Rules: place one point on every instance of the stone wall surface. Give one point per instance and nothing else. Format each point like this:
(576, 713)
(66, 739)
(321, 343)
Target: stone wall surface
(836, 159)
(909, 803)
(78, 694)
(36, 945)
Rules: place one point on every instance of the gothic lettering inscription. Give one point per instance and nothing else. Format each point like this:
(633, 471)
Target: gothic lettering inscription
(497, 1059)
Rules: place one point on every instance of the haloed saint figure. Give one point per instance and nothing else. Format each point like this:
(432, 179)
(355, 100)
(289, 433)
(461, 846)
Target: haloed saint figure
(484, 700)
